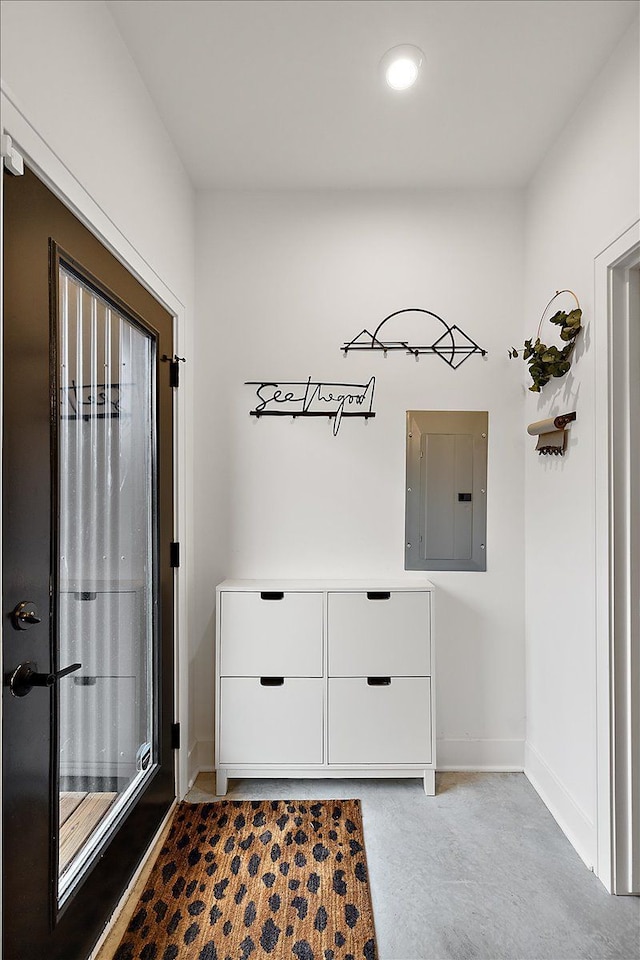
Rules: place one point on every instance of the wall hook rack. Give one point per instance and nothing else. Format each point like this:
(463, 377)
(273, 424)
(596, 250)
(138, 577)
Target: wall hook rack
(317, 399)
(453, 345)
(551, 434)
(92, 401)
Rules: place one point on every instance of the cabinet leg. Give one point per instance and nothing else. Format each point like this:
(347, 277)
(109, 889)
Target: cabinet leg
(430, 783)
(222, 783)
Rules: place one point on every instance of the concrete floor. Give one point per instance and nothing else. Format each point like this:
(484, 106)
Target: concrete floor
(481, 871)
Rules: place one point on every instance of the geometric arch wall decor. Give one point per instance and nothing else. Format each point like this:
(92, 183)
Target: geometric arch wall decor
(453, 345)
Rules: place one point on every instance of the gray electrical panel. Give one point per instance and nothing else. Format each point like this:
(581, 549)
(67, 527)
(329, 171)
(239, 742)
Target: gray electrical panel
(446, 491)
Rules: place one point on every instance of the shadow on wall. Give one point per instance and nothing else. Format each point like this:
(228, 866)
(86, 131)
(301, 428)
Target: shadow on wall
(459, 641)
(202, 671)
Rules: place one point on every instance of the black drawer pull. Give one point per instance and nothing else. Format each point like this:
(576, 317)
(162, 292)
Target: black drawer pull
(271, 595)
(378, 595)
(271, 681)
(379, 681)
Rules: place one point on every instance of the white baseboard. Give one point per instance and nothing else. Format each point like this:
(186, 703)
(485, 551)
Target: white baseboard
(579, 829)
(206, 755)
(192, 765)
(498, 756)
(200, 759)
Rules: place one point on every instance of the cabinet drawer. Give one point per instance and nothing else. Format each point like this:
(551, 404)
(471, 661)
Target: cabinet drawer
(374, 637)
(271, 637)
(380, 724)
(271, 724)
(98, 726)
(103, 631)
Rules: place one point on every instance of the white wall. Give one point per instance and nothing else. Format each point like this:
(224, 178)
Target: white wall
(74, 101)
(68, 70)
(282, 280)
(583, 196)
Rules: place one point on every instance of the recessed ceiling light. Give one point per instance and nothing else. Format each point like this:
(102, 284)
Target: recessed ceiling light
(401, 66)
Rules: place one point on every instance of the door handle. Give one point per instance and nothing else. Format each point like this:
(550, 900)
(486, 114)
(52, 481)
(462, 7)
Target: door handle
(25, 677)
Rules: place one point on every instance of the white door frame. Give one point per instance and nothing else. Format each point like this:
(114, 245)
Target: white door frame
(618, 645)
(61, 181)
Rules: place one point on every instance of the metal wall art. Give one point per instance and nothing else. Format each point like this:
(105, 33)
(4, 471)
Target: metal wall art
(313, 398)
(452, 345)
(94, 401)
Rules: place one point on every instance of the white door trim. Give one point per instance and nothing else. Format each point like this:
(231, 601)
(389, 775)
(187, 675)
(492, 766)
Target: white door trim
(615, 733)
(61, 181)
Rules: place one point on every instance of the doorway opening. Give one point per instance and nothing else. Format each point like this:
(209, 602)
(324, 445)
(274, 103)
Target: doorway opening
(617, 347)
(626, 575)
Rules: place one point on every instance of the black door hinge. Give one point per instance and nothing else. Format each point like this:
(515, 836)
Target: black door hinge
(174, 369)
(174, 554)
(175, 736)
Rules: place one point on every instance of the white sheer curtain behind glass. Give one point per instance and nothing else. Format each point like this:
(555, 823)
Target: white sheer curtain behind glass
(106, 598)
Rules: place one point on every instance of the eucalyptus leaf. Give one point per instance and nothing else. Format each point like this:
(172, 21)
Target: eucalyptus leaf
(545, 361)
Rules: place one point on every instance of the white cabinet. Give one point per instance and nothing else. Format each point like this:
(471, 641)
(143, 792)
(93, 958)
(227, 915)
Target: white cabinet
(325, 679)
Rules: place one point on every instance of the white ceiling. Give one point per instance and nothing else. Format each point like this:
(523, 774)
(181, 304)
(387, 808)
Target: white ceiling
(287, 94)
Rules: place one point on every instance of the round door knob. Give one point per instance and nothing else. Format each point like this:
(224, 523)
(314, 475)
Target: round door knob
(25, 615)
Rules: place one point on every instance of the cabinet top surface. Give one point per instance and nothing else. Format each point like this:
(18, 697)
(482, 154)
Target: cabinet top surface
(410, 583)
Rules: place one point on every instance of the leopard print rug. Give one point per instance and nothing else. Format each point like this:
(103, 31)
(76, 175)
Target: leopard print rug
(249, 879)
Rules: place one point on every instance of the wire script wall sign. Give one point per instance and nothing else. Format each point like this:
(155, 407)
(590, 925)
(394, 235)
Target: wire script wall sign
(93, 401)
(452, 345)
(313, 398)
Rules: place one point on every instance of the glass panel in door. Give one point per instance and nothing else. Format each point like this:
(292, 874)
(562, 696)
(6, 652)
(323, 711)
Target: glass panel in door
(106, 598)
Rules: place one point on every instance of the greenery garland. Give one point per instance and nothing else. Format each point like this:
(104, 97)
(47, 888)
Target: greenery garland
(547, 362)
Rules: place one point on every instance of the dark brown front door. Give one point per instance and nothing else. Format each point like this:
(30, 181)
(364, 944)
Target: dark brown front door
(88, 771)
